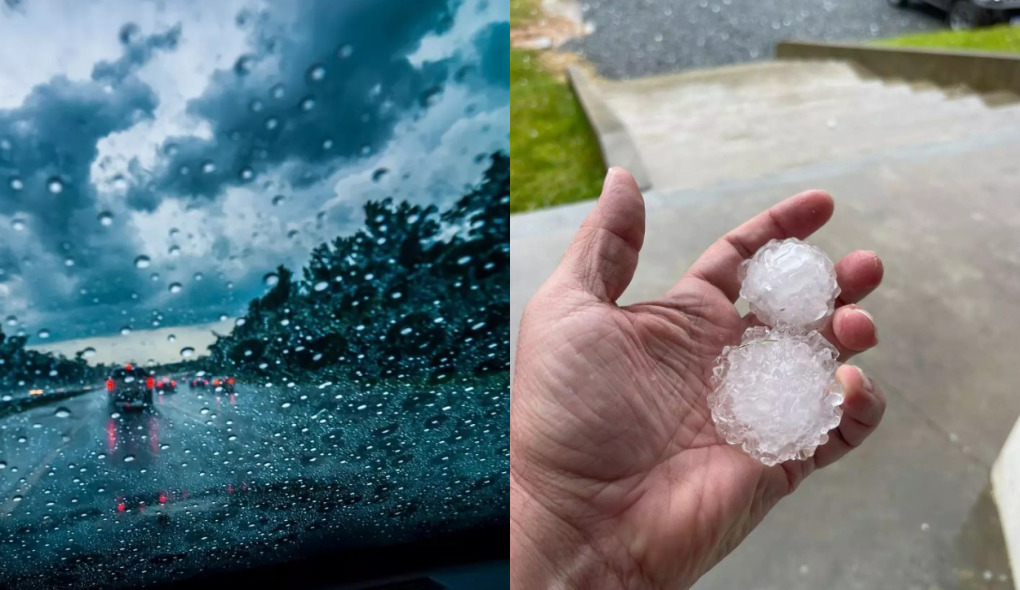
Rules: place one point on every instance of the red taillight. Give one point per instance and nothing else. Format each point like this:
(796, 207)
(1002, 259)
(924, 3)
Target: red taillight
(215, 381)
(230, 381)
(162, 498)
(150, 382)
(173, 383)
(109, 385)
(121, 507)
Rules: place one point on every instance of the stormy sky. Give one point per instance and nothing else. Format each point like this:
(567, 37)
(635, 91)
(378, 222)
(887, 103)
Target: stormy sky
(157, 159)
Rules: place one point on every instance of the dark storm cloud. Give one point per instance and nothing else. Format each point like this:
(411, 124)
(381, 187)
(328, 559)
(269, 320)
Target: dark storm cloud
(47, 146)
(342, 82)
(137, 52)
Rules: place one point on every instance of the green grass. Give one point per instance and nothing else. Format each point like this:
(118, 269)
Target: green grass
(554, 156)
(1003, 38)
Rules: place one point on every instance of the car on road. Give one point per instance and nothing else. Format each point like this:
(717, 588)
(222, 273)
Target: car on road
(970, 14)
(199, 382)
(131, 387)
(223, 384)
(166, 385)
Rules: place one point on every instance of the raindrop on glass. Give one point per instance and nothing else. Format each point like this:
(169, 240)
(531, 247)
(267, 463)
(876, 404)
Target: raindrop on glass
(208, 167)
(345, 51)
(88, 352)
(271, 279)
(54, 185)
(16, 183)
(18, 224)
(44, 333)
(243, 65)
(105, 219)
(308, 104)
(271, 123)
(247, 173)
(279, 199)
(125, 330)
(379, 174)
(129, 458)
(187, 352)
(316, 73)
(278, 91)
(62, 413)
(142, 261)
(321, 286)
(198, 276)
(171, 338)
(175, 250)
(175, 288)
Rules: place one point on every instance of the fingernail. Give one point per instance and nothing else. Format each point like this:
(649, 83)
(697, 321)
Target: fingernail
(610, 175)
(864, 379)
(864, 313)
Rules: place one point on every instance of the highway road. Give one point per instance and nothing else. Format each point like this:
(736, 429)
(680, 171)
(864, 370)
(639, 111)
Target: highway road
(97, 497)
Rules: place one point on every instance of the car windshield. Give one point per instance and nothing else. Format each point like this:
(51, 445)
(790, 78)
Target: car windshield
(254, 282)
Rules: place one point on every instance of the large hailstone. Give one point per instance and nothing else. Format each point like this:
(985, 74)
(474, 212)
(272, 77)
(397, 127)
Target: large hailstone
(776, 394)
(789, 283)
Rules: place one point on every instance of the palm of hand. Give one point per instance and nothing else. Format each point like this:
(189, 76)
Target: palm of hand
(616, 430)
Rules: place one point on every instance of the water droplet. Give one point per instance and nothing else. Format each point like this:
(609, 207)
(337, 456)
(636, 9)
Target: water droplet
(17, 498)
(232, 437)
(18, 224)
(243, 65)
(69, 262)
(164, 446)
(327, 144)
(285, 405)
(187, 352)
(44, 333)
(316, 73)
(345, 51)
(174, 250)
(129, 458)
(62, 413)
(105, 219)
(125, 330)
(3, 464)
(240, 322)
(321, 286)
(277, 91)
(247, 173)
(204, 411)
(379, 174)
(175, 288)
(198, 276)
(143, 261)
(255, 106)
(271, 279)
(224, 317)
(308, 104)
(88, 353)
(154, 277)
(279, 199)
(55, 185)
(16, 183)
(171, 338)
(271, 123)
(208, 167)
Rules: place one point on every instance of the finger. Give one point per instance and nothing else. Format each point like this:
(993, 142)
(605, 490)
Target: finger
(863, 407)
(858, 274)
(603, 256)
(796, 217)
(851, 329)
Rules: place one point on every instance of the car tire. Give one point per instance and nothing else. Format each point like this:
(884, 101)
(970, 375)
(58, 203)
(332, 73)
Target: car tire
(963, 16)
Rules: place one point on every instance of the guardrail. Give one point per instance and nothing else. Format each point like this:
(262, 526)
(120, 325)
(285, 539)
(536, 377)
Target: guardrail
(20, 404)
(983, 72)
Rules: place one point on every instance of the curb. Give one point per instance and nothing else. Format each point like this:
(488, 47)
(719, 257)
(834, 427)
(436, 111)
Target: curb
(617, 147)
(981, 72)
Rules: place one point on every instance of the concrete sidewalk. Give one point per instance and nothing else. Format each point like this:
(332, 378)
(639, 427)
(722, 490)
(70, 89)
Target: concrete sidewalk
(911, 508)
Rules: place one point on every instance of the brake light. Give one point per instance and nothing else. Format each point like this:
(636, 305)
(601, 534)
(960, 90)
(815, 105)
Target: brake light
(162, 498)
(173, 383)
(230, 381)
(109, 385)
(215, 381)
(128, 368)
(121, 507)
(150, 382)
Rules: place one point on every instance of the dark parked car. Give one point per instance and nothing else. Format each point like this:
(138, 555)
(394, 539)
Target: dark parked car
(130, 388)
(968, 14)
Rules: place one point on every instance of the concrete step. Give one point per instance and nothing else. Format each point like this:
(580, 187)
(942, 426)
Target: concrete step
(700, 128)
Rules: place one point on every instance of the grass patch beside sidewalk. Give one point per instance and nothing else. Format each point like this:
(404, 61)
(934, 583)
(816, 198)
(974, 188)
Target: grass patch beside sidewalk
(554, 155)
(1001, 38)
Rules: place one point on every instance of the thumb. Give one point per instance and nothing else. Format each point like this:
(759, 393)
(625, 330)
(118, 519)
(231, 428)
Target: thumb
(603, 256)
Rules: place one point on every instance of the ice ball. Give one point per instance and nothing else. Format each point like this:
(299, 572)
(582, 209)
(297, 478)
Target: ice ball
(789, 283)
(776, 394)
